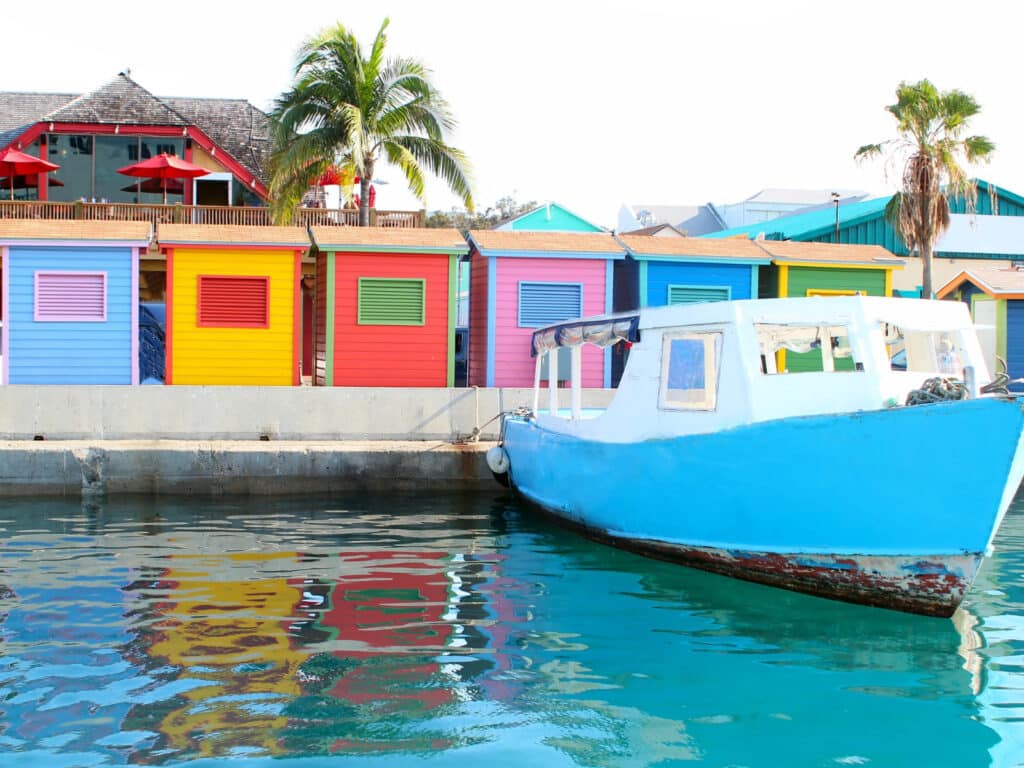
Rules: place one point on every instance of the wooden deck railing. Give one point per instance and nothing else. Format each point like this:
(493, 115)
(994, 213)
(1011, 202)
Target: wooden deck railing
(199, 214)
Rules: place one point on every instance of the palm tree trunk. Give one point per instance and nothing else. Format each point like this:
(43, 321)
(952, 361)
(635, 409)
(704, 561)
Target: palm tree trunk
(365, 180)
(926, 271)
(364, 201)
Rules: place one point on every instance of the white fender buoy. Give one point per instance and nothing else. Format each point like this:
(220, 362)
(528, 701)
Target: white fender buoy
(497, 460)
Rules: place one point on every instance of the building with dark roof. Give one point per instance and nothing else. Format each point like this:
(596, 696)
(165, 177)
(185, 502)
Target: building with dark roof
(91, 135)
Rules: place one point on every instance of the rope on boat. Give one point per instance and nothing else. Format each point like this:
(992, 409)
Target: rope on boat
(937, 390)
(474, 436)
(522, 411)
(1000, 380)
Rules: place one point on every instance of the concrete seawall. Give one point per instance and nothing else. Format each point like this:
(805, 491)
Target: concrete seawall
(84, 467)
(55, 412)
(69, 440)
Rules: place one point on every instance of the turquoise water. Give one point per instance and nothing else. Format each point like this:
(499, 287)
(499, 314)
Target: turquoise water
(435, 631)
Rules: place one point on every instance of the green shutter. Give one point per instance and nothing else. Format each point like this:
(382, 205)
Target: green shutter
(697, 294)
(392, 301)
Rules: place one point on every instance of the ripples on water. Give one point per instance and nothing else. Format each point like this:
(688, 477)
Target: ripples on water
(399, 630)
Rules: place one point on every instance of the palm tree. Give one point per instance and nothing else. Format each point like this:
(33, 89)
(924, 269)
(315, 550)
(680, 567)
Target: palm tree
(349, 109)
(931, 143)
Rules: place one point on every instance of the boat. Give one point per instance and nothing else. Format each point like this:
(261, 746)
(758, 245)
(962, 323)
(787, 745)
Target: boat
(772, 440)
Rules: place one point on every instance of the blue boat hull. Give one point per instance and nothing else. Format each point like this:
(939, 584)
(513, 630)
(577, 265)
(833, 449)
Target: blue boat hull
(885, 507)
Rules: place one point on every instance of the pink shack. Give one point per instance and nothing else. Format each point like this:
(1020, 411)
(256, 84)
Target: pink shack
(520, 281)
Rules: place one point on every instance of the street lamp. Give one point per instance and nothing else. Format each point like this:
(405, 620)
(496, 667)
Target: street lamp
(835, 200)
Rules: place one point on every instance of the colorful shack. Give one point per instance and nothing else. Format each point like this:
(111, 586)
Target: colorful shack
(69, 301)
(826, 269)
(385, 306)
(234, 312)
(523, 280)
(685, 270)
(995, 296)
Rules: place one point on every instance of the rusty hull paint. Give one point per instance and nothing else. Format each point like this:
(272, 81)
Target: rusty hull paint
(932, 586)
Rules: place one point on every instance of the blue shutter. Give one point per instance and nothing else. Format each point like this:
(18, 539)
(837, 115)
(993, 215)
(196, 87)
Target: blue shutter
(546, 303)
(697, 294)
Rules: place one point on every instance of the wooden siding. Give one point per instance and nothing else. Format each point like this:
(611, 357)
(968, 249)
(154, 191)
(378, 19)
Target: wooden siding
(320, 354)
(70, 352)
(513, 364)
(1015, 341)
(391, 355)
(258, 356)
(478, 275)
(660, 275)
(869, 281)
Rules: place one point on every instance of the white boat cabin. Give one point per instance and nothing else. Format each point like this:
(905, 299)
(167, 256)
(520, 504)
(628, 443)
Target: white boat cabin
(701, 368)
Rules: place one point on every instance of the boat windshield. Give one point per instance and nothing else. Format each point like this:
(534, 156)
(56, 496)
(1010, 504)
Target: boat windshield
(924, 351)
(805, 348)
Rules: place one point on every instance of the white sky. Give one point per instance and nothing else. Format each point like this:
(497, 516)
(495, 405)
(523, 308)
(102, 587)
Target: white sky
(590, 104)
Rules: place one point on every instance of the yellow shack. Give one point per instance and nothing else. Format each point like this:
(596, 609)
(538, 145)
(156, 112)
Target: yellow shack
(234, 312)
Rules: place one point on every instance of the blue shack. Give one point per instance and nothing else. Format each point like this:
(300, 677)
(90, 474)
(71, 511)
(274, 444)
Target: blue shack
(70, 301)
(659, 271)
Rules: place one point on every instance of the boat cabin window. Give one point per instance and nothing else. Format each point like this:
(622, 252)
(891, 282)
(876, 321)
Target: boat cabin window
(805, 348)
(924, 351)
(689, 370)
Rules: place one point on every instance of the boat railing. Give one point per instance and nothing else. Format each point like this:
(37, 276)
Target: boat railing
(572, 335)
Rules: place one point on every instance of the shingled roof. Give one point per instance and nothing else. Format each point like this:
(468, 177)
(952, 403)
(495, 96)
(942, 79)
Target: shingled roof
(123, 101)
(19, 111)
(233, 124)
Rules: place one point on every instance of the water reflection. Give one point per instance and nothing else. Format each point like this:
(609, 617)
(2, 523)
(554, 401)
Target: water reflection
(993, 623)
(156, 632)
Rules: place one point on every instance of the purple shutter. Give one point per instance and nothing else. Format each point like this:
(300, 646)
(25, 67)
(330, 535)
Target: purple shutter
(70, 296)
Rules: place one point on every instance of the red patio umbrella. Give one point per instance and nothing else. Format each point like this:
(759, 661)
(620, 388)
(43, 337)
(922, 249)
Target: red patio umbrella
(164, 167)
(30, 182)
(174, 186)
(14, 163)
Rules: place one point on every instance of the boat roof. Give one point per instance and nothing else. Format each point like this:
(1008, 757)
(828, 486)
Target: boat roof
(915, 314)
(920, 314)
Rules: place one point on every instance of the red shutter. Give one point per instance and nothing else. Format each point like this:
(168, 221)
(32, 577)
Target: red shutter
(234, 301)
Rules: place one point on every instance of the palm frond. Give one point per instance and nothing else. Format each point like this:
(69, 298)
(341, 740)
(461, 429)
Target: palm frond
(868, 151)
(447, 163)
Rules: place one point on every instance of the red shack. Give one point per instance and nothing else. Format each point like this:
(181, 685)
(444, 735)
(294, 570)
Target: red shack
(385, 306)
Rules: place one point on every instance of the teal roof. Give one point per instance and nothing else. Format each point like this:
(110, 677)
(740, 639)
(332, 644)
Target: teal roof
(808, 224)
(550, 217)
